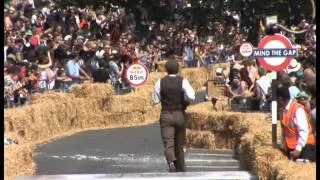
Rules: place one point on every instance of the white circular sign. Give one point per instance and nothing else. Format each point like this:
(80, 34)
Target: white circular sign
(274, 52)
(246, 49)
(137, 74)
(274, 61)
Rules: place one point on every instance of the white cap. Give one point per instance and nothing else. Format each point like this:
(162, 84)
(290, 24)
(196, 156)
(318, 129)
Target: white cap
(99, 54)
(294, 66)
(67, 37)
(114, 51)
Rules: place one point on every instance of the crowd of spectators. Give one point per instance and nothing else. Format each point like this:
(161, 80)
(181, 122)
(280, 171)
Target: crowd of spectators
(50, 48)
(250, 80)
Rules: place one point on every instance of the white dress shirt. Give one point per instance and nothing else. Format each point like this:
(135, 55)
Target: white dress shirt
(189, 93)
(301, 123)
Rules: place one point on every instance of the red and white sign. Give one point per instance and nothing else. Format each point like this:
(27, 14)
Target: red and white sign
(137, 74)
(246, 49)
(276, 41)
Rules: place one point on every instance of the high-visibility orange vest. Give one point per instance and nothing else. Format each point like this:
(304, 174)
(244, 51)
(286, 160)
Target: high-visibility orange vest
(290, 131)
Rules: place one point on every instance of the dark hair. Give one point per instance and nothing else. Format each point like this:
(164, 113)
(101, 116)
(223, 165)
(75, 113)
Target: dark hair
(312, 90)
(102, 63)
(285, 80)
(125, 59)
(233, 73)
(13, 70)
(73, 55)
(244, 75)
(283, 92)
(261, 72)
(172, 67)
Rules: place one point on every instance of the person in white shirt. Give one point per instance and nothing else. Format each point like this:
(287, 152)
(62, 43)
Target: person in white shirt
(298, 138)
(263, 83)
(174, 93)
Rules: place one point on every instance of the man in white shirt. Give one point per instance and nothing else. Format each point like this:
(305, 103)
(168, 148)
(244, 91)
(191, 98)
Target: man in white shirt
(299, 141)
(174, 93)
(262, 86)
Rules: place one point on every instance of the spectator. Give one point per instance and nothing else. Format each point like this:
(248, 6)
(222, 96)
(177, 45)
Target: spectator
(263, 85)
(115, 72)
(30, 34)
(299, 141)
(188, 54)
(101, 75)
(73, 71)
(293, 89)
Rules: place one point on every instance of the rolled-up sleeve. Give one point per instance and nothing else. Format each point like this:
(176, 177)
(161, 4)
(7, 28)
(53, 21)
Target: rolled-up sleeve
(188, 90)
(302, 127)
(156, 93)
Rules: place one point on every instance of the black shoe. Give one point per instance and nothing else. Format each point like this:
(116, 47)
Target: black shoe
(172, 168)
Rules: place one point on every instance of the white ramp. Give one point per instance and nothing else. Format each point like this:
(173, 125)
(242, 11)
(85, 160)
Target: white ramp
(222, 175)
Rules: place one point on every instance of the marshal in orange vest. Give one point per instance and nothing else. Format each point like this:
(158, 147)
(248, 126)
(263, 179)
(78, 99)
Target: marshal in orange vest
(290, 131)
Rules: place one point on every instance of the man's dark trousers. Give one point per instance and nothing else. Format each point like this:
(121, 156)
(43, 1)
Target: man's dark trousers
(173, 133)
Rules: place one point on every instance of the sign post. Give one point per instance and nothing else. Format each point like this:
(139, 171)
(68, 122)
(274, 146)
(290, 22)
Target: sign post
(274, 108)
(274, 53)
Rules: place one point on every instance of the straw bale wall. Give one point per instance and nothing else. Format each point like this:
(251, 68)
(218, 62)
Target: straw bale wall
(18, 161)
(88, 106)
(161, 65)
(214, 91)
(52, 114)
(249, 134)
(196, 76)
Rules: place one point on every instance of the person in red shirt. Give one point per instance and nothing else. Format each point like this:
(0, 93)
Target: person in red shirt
(35, 39)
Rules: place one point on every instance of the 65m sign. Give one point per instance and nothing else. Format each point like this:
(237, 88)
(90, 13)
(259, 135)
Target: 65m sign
(137, 74)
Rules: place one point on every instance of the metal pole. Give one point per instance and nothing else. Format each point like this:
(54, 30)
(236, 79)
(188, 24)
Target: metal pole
(274, 109)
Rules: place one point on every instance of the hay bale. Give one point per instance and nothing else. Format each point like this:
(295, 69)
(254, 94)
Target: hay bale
(161, 65)
(223, 103)
(51, 96)
(252, 140)
(153, 77)
(18, 161)
(132, 118)
(92, 90)
(214, 91)
(128, 103)
(196, 76)
(15, 123)
(38, 121)
(200, 139)
(87, 106)
(153, 114)
(145, 90)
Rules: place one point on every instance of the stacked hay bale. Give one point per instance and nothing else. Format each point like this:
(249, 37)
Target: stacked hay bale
(18, 161)
(250, 135)
(88, 106)
(161, 65)
(196, 76)
(214, 90)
